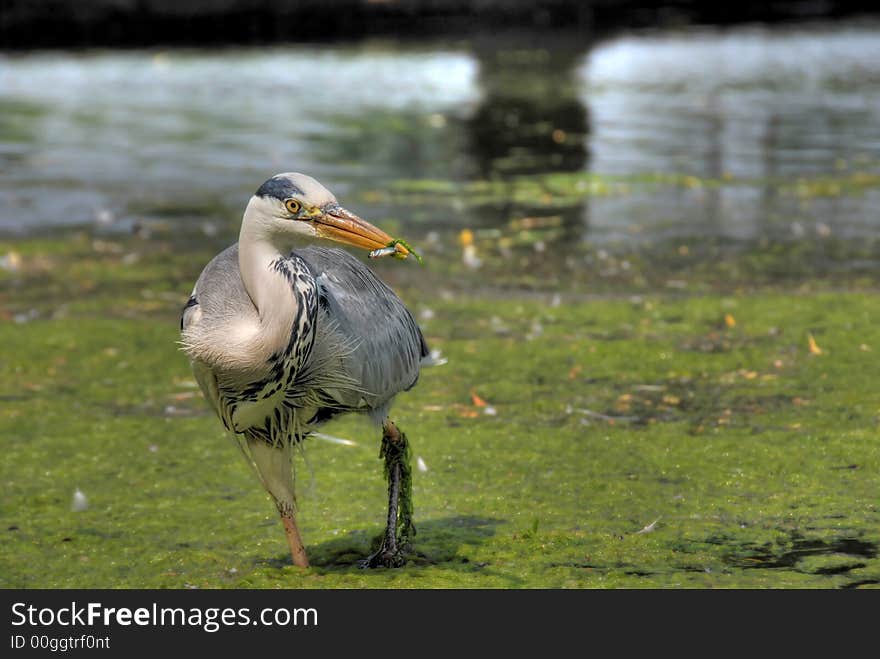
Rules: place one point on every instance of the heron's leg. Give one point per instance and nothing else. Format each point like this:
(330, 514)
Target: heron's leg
(399, 528)
(273, 466)
(294, 541)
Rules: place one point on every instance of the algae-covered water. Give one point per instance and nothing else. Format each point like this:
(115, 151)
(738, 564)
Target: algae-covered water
(657, 295)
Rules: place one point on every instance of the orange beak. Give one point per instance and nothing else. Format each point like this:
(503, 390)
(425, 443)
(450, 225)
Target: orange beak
(336, 223)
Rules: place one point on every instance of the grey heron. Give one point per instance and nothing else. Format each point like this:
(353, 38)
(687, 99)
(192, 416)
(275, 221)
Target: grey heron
(282, 339)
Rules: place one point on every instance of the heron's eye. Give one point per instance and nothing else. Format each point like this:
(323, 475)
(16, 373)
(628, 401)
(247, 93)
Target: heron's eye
(293, 206)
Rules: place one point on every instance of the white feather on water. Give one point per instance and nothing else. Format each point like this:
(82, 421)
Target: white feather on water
(333, 440)
(80, 502)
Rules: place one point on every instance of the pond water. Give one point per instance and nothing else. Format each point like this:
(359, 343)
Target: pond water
(740, 134)
(734, 423)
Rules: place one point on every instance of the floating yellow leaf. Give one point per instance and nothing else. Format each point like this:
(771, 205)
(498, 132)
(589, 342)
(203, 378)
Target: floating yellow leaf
(814, 347)
(465, 411)
(476, 400)
(623, 403)
(729, 320)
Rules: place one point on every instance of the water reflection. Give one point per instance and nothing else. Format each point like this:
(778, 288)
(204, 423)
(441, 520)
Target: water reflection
(767, 133)
(531, 120)
(187, 135)
(759, 109)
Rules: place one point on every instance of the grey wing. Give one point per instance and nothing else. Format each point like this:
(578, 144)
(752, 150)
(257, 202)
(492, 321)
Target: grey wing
(219, 291)
(218, 302)
(387, 344)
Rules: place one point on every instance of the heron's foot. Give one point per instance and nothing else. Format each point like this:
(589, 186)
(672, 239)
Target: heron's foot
(399, 529)
(394, 548)
(385, 557)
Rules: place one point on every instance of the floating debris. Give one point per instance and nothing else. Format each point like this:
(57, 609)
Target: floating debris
(80, 501)
(470, 259)
(420, 464)
(435, 358)
(606, 417)
(536, 222)
(650, 527)
(814, 347)
(107, 247)
(476, 400)
(469, 250)
(25, 317)
(104, 217)
(535, 331)
(333, 440)
(498, 326)
(11, 261)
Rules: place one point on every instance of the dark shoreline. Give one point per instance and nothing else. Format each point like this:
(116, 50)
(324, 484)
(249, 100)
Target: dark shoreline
(25, 24)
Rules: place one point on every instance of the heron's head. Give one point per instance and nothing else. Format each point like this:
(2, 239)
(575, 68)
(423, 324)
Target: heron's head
(294, 204)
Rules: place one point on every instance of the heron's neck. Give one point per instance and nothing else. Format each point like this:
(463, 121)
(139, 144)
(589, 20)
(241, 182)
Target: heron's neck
(258, 255)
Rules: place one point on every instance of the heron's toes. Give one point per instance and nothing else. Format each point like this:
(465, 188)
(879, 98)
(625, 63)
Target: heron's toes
(384, 558)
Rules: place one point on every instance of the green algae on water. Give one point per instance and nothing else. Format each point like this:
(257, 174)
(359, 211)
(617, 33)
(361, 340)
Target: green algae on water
(757, 456)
